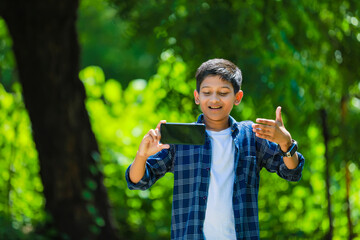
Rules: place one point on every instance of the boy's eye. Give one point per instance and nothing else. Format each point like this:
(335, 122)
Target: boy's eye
(223, 93)
(206, 93)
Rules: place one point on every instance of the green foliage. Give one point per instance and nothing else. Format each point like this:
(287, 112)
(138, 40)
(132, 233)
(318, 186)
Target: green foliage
(7, 231)
(7, 63)
(21, 197)
(108, 42)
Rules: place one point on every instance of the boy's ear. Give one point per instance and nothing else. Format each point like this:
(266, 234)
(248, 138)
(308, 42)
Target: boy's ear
(238, 96)
(196, 97)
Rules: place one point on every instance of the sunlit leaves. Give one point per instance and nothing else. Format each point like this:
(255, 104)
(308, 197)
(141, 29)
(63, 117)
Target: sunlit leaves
(112, 91)
(21, 197)
(93, 78)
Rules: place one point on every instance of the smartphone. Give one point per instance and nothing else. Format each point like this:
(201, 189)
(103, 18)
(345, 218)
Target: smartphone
(183, 133)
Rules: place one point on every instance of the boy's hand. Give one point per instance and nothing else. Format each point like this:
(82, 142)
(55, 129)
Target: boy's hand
(151, 143)
(273, 130)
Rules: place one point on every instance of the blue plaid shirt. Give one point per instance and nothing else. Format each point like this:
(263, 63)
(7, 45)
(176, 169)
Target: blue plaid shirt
(191, 167)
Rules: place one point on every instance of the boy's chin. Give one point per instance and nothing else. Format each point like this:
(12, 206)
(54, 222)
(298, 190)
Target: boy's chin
(216, 117)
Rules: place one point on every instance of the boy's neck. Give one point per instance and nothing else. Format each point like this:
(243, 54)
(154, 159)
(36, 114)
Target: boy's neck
(216, 125)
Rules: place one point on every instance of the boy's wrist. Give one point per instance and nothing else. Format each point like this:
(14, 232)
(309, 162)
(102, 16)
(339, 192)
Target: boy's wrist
(141, 156)
(286, 145)
(290, 151)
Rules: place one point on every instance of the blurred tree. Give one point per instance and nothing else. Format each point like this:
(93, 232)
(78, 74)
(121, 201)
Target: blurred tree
(47, 55)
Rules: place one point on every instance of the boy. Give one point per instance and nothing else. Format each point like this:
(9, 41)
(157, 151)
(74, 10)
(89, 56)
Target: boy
(216, 185)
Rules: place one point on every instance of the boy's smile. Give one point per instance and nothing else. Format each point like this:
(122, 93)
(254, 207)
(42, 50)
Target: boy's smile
(216, 99)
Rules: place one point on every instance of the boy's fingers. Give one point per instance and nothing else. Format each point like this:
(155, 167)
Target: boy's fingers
(164, 146)
(262, 126)
(264, 131)
(159, 124)
(157, 134)
(266, 121)
(264, 136)
(152, 134)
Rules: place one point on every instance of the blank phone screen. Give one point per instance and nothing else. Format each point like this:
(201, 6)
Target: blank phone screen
(183, 133)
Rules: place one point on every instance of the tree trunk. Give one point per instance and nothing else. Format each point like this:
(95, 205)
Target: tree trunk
(325, 132)
(47, 54)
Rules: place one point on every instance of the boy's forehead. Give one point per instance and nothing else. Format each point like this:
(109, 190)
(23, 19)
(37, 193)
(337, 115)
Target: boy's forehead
(215, 81)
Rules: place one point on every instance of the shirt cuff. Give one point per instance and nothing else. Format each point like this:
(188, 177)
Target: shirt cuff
(293, 175)
(141, 185)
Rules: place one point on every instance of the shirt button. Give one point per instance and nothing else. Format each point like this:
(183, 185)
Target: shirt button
(207, 169)
(204, 197)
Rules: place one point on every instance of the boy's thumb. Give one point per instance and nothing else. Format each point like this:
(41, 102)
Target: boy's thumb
(278, 115)
(165, 146)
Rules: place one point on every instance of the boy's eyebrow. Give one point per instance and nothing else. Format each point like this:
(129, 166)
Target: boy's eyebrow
(221, 87)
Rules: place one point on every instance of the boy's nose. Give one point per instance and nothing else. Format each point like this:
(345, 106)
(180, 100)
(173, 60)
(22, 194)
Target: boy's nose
(214, 98)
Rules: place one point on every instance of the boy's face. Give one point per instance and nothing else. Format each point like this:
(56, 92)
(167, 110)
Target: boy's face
(217, 98)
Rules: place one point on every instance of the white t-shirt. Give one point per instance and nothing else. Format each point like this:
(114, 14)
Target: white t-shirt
(219, 217)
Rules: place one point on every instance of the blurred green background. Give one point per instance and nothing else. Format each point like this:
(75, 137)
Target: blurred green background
(138, 63)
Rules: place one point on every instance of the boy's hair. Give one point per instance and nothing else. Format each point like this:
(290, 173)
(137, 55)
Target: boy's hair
(223, 68)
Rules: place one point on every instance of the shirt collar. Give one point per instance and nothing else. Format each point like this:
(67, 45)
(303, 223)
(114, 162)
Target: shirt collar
(232, 122)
